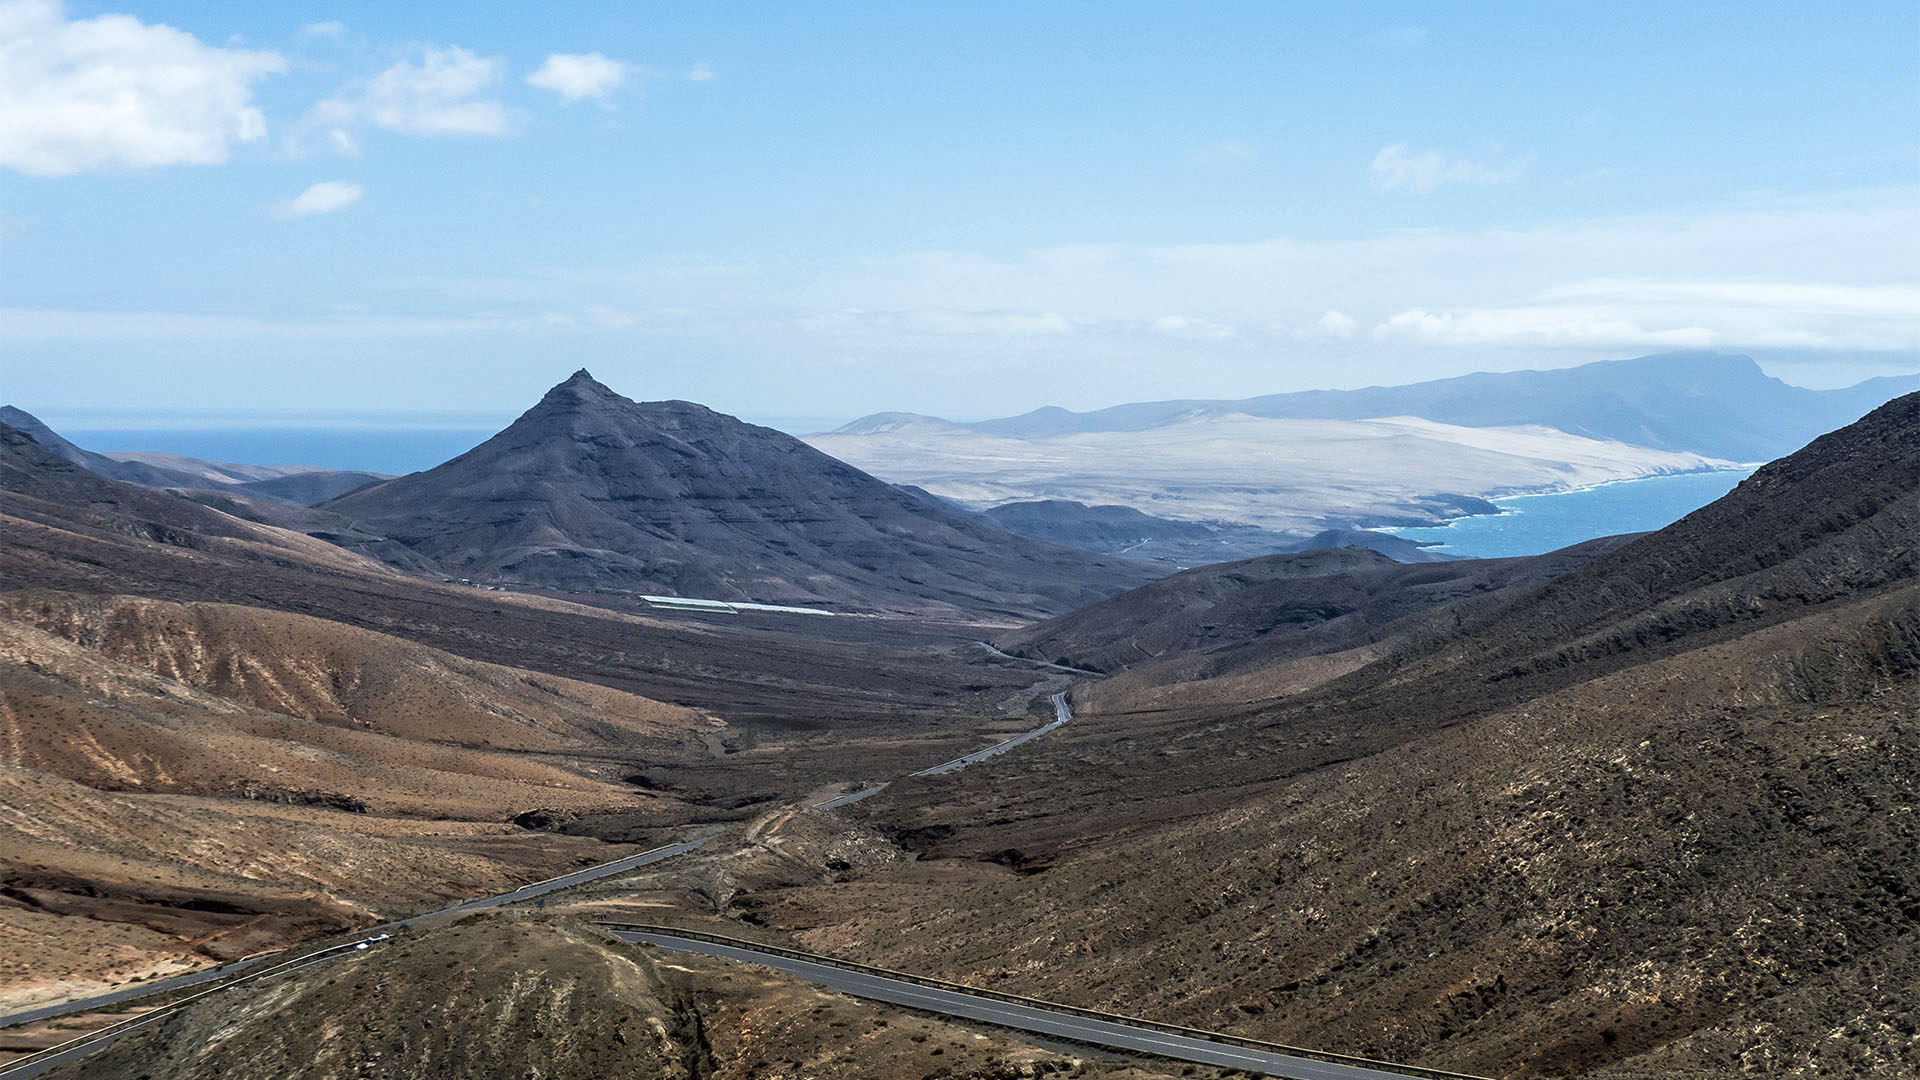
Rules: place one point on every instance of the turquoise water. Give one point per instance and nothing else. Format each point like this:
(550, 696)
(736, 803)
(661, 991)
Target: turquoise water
(1532, 524)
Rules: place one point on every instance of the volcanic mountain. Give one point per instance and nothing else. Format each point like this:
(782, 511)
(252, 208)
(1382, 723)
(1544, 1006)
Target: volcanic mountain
(589, 490)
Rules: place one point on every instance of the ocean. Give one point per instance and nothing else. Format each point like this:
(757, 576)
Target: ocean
(382, 450)
(1533, 524)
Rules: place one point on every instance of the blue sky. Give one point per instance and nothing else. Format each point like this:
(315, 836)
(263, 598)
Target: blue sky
(826, 210)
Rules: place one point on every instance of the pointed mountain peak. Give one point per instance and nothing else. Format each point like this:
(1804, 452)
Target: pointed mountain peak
(583, 405)
(579, 389)
(581, 383)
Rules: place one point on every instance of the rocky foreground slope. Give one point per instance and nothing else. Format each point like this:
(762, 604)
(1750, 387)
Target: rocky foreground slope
(510, 996)
(187, 783)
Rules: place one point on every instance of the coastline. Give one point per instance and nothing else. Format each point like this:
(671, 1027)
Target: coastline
(1499, 536)
(1534, 493)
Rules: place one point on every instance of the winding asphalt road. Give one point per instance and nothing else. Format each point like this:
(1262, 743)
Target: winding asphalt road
(1040, 1021)
(138, 990)
(183, 982)
(1019, 1017)
(526, 892)
(991, 651)
(85, 1047)
(564, 881)
(1061, 714)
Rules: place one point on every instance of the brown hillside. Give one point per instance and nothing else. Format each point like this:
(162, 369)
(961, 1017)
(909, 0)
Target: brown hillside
(1670, 849)
(69, 711)
(1680, 839)
(97, 887)
(1282, 607)
(346, 677)
(514, 996)
(1834, 520)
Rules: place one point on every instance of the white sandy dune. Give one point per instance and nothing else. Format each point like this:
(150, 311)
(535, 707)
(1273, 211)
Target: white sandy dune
(1289, 475)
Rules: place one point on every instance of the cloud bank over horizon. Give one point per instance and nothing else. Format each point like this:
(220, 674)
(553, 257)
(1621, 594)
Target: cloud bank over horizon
(776, 243)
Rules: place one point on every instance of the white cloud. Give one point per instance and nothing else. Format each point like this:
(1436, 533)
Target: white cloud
(1831, 274)
(937, 322)
(1397, 167)
(42, 324)
(575, 76)
(701, 73)
(322, 198)
(438, 96)
(442, 94)
(1670, 314)
(114, 92)
(1337, 325)
(1897, 301)
(994, 333)
(1190, 329)
(333, 28)
(1551, 326)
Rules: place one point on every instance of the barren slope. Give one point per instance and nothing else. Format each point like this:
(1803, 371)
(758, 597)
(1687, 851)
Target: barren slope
(506, 996)
(1667, 852)
(67, 710)
(302, 736)
(1238, 626)
(97, 888)
(1202, 609)
(342, 676)
(1656, 816)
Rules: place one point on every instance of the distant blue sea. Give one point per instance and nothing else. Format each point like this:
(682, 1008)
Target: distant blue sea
(1532, 524)
(384, 450)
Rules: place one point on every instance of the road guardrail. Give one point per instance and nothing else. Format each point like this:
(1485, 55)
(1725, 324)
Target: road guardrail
(1221, 1037)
